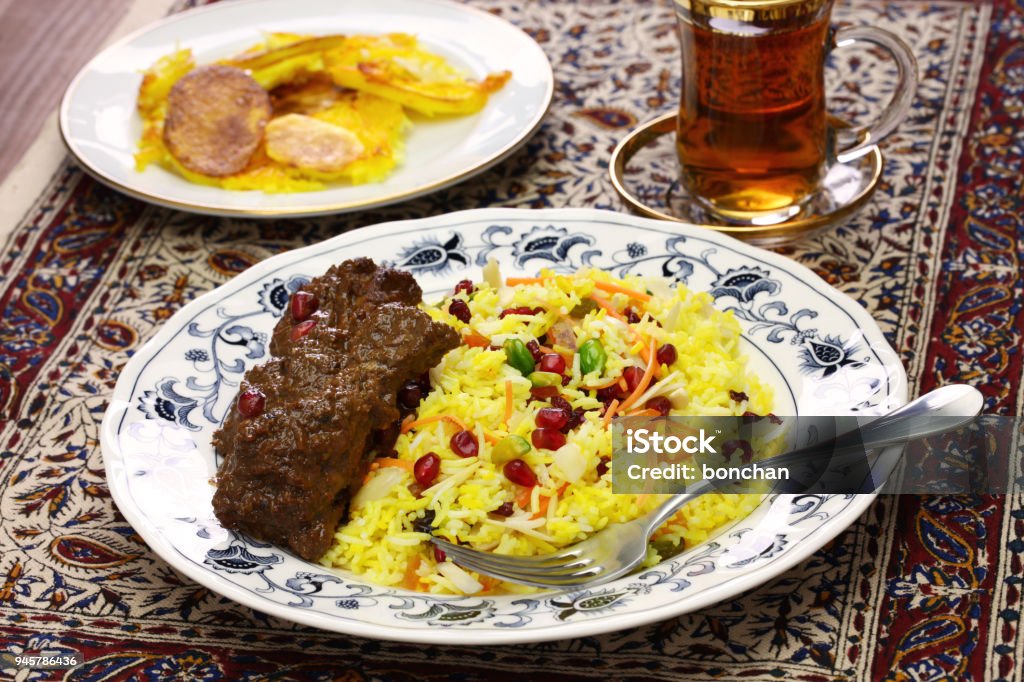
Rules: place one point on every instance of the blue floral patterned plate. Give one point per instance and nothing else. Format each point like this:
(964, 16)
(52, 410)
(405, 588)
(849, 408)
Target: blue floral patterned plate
(820, 350)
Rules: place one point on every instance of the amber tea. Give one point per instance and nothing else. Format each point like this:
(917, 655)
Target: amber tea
(752, 137)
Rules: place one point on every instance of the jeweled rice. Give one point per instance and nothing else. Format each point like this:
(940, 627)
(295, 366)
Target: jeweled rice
(380, 540)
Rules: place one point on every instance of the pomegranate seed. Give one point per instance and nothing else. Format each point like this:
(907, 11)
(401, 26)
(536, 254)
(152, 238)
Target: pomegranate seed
(631, 315)
(251, 403)
(427, 468)
(551, 418)
(659, 403)
(460, 310)
(566, 379)
(464, 444)
(547, 439)
(667, 354)
(520, 473)
(534, 348)
(465, 285)
(504, 510)
(609, 393)
(410, 395)
(439, 555)
(552, 362)
(303, 304)
(602, 466)
(633, 376)
(302, 328)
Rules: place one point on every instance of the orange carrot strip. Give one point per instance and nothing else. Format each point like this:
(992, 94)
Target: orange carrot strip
(523, 498)
(622, 384)
(645, 352)
(406, 427)
(411, 579)
(488, 582)
(609, 413)
(598, 387)
(542, 507)
(619, 289)
(491, 438)
(652, 367)
(644, 413)
(508, 401)
(474, 340)
(606, 305)
(515, 281)
(603, 303)
(392, 462)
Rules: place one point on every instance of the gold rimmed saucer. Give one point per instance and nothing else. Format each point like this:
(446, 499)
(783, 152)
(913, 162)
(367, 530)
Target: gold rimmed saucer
(644, 171)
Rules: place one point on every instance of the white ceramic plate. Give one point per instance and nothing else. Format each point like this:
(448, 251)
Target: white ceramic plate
(819, 349)
(101, 128)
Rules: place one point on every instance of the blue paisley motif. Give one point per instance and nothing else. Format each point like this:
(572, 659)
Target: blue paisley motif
(828, 355)
(275, 294)
(744, 284)
(554, 246)
(236, 558)
(167, 403)
(430, 255)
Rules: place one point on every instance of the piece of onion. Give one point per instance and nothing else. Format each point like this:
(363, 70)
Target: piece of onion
(672, 318)
(379, 485)
(463, 581)
(659, 287)
(571, 461)
(492, 273)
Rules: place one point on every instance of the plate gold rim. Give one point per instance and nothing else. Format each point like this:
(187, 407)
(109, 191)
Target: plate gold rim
(301, 211)
(644, 134)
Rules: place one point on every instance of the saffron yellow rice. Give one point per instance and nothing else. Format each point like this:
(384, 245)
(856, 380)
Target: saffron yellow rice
(384, 539)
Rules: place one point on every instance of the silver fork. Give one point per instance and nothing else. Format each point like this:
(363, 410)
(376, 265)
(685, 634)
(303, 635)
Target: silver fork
(619, 548)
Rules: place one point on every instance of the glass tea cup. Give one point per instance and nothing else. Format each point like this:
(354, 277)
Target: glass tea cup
(753, 137)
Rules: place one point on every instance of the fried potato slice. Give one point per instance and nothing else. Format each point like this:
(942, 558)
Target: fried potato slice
(294, 46)
(395, 67)
(215, 119)
(283, 58)
(306, 142)
(308, 95)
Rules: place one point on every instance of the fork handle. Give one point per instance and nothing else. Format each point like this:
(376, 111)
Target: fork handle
(955, 405)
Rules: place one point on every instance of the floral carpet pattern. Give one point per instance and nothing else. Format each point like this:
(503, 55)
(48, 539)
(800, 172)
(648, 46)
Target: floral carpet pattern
(921, 588)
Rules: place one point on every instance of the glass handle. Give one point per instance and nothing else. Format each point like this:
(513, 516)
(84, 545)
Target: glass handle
(906, 86)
